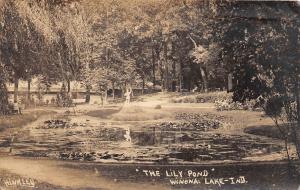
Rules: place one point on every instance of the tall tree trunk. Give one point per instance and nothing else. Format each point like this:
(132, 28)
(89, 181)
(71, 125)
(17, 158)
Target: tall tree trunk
(203, 74)
(88, 94)
(124, 88)
(143, 88)
(69, 86)
(167, 78)
(162, 79)
(297, 129)
(3, 97)
(180, 76)
(153, 67)
(28, 89)
(102, 101)
(204, 78)
(113, 90)
(63, 73)
(173, 81)
(173, 70)
(16, 89)
(166, 71)
(105, 96)
(230, 83)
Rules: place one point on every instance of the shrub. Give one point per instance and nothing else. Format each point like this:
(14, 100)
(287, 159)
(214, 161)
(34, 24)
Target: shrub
(228, 104)
(211, 97)
(189, 100)
(157, 107)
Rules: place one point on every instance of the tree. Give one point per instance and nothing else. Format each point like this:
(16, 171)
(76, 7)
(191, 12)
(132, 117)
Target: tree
(74, 41)
(4, 106)
(19, 45)
(265, 55)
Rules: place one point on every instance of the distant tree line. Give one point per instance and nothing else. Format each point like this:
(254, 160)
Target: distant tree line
(112, 44)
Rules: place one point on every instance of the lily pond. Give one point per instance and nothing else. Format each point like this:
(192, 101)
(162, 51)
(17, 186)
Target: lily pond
(186, 140)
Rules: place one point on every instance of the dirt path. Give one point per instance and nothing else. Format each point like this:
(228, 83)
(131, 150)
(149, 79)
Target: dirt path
(54, 172)
(68, 175)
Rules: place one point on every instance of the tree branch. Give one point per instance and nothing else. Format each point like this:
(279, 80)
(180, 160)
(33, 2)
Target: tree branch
(194, 42)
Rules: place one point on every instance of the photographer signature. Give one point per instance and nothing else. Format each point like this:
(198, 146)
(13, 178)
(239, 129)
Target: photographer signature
(17, 182)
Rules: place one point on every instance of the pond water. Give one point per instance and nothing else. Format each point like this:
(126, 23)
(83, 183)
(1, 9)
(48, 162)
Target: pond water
(183, 142)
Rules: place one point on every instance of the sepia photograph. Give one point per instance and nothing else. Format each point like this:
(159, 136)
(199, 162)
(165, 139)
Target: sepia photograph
(149, 95)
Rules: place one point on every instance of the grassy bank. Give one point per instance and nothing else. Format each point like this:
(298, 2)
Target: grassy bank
(271, 131)
(103, 113)
(14, 121)
(132, 113)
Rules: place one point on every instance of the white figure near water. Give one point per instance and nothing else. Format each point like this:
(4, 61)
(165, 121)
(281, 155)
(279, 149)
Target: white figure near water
(128, 95)
(127, 135)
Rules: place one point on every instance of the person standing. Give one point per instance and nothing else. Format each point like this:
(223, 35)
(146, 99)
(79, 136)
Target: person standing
(127, 96)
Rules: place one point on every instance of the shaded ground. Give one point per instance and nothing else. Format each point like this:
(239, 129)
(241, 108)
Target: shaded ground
(15, 121)
(103, 113)
(271, 131)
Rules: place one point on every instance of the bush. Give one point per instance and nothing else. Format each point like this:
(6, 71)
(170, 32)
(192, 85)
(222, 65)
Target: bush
(173, 100)
(228, 104)
(189, 100)
(211, 97)
(274, 105)
(157, 107)
(64, 100)
(222, 100)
